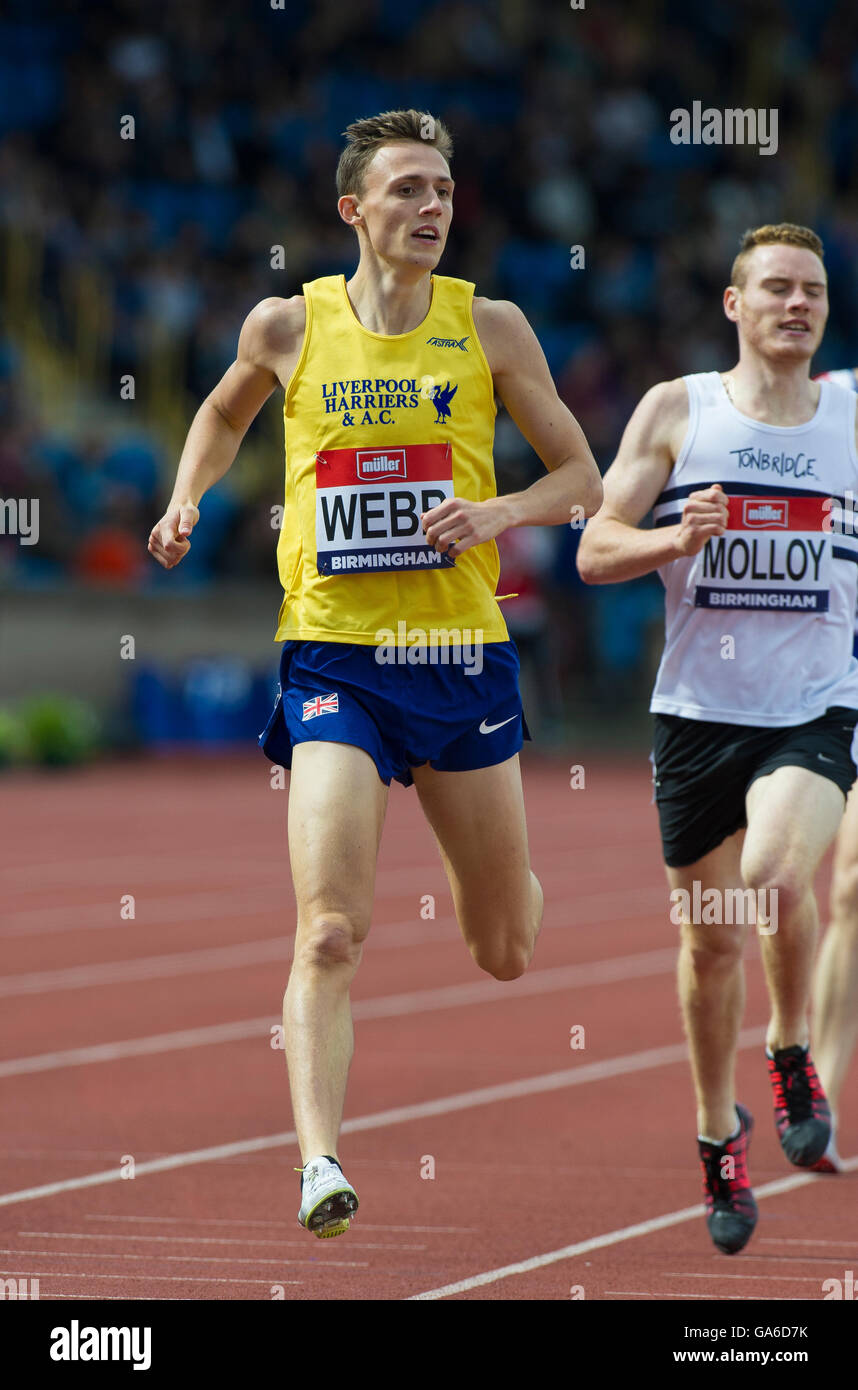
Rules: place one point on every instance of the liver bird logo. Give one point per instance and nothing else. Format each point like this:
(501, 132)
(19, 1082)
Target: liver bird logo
(442, 398)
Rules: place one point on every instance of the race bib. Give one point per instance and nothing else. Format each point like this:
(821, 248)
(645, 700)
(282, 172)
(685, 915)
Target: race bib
(369, 503)
(776, 555)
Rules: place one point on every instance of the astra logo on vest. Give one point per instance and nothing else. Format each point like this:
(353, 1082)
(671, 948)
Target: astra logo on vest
(449, 342)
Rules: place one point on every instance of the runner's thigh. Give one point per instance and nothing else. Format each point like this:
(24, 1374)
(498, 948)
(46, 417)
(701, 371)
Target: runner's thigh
(793, 815)
(479, 823)
(337, 803)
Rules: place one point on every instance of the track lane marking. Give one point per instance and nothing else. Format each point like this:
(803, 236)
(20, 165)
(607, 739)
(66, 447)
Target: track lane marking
(269, 1225)
(184, 1259)
(611, 906)
(725, 1297)
(641, 1228)
(444, 1105)
(174, 1239)
(146, 1278)
(613, 969)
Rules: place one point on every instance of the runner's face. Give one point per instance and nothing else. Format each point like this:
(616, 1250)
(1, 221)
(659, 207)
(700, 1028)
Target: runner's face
(781, 311)
(407, 203)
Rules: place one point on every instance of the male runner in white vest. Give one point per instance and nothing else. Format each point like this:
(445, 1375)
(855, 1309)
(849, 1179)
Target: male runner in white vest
(390, 382)
(756, 697)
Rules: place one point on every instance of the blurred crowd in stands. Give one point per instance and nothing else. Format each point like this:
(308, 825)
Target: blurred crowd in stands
(561, 125)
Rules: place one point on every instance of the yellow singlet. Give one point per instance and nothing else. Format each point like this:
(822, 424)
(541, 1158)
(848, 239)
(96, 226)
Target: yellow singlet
(380, 428)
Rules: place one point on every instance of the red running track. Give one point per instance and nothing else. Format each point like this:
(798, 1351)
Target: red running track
(493, 1159)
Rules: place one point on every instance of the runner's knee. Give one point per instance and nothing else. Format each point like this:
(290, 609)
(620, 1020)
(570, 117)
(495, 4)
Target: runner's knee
(712, 950)
(505, 960)
(328, 941)
(789, 881)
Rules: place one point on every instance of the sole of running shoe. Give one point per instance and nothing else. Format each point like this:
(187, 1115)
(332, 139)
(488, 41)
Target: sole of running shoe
(809, 1152)
(825, 1165)
(733, 1234)
(830, 1162)
(333, 1228)
(332, 1216)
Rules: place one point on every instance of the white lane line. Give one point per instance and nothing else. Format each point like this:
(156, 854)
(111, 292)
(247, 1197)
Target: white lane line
(392, 935)
(144, 1278)
(787, 1260)
(724, 1297)
(138, 1047)
(146, 967)
(253, 900)
(269, 1225)
(391, 880)
(487, 991)
(122, 867)
(767, 1278)
(557, 977)
(642, 1228)
(444, 1105)
(795, 1240)
(182, 1259)
(139, 1298)
(186, 1240)
(617, 906)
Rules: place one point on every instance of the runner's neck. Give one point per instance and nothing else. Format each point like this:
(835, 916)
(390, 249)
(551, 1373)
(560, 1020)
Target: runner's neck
(387, 300)
(782, 395)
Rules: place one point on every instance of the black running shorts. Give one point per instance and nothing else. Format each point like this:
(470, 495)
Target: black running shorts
(702, 771)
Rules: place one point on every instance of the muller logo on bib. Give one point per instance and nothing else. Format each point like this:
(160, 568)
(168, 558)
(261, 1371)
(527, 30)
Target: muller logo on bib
(766, 513)
(373, 464)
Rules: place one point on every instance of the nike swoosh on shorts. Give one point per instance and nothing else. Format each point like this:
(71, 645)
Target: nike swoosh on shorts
(490, 728)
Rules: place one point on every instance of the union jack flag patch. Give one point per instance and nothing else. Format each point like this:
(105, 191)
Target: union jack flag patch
(320, 704)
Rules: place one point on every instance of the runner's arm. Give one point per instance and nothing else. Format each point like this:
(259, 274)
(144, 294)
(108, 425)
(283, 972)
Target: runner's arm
(523, 382)
(613, 547)
(223, 419)
(525, 385)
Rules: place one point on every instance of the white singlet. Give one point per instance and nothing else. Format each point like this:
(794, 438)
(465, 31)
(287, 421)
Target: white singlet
(759, 624)
(843, 376)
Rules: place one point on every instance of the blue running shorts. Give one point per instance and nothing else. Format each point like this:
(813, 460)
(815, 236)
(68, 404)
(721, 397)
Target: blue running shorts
(403, 714)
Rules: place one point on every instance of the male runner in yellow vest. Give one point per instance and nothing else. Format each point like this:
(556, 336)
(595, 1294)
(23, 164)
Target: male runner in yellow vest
(396, 659)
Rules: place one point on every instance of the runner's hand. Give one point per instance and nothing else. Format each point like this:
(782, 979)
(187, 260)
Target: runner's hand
(457, 524)
(169, 542)
(704, 515)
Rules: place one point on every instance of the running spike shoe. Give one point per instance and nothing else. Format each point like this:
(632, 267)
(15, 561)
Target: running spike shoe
(731, 1212)
(831, 1162)
(802, 1114)
(327, 1200)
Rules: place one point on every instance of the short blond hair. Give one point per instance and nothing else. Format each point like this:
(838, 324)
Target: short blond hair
(366, 136)
(772, 234)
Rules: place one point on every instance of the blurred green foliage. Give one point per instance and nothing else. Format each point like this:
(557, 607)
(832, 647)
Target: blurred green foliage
(50, 730)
